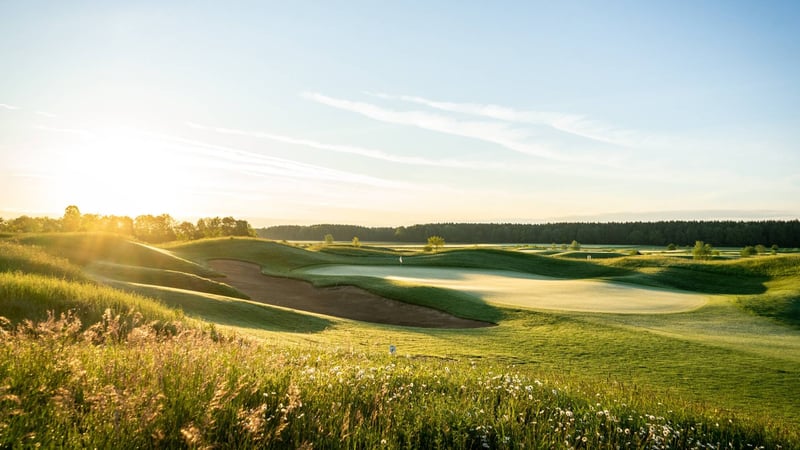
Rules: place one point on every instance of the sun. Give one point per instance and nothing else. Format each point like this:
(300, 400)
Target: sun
(122, 172)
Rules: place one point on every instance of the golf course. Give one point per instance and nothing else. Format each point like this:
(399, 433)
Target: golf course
(246, 342)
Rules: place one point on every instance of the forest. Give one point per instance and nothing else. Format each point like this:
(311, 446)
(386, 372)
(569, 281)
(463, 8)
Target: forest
(784, 233)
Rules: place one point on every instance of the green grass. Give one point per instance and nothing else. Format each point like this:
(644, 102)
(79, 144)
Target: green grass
(23, 258)
(26, 296)
(593, 254)
(244, 315)
(457, 303)
(163, 277)
(727, 374)
(240, 394)
(85, 248)
(275, 258)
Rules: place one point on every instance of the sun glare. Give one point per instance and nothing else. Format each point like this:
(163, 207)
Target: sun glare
(117, 171)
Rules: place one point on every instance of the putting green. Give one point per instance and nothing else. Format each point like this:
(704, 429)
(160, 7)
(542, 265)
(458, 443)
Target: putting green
(532, 291)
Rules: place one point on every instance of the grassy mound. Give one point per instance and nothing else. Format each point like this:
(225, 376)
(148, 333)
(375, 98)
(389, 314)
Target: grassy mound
(275, 258)
(85, 248)
(516, 261)
(783, 307)
(232, 312)
(32, 296)
(16, 257)
(163, 277)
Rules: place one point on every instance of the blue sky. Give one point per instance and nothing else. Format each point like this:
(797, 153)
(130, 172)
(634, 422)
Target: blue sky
(401, 113)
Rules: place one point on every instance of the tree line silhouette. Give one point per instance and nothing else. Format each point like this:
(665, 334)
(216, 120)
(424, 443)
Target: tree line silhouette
(785, 233)
(146, 227)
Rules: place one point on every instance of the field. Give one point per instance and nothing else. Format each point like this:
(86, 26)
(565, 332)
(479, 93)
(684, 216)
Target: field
(237, 343)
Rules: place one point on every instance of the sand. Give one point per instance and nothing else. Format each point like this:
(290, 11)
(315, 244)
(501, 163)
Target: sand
(531, 291)
(347, 302)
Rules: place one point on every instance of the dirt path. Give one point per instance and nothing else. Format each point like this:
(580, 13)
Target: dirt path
(343, 301)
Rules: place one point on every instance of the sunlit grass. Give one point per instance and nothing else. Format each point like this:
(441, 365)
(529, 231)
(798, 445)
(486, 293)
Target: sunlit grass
(86, 248)
(30, 297)
(236, 393)
(163, 277)
(719, 375)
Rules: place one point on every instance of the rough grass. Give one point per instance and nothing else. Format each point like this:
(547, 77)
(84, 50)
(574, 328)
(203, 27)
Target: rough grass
(163, 277)
(663, 381)
(16, 257)
(221, 393)
(31, 296)
(85, 248)
(245, 315)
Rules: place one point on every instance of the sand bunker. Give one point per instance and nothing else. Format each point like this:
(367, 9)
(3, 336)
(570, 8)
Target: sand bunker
(531, 291)
(343, 301)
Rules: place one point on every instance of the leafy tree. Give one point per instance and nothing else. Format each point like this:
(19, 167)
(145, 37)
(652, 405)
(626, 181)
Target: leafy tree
(243, 228)
(748, 251)
(702, 250)
(575, 245)
(328, 239)
(185, 231)
(436, 242)
(154, 229)
(671, 247)
(71, 221)
(774, 249)
(760, 249)
(356, 242)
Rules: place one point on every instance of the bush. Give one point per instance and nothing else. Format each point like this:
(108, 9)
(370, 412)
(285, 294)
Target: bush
(748, 251)
(702, 250)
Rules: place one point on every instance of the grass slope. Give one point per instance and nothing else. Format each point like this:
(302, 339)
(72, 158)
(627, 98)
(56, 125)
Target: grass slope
(85, 248)
(245, 315)
(23, 258)
(545, 380)
(163, 277)
(26, 296)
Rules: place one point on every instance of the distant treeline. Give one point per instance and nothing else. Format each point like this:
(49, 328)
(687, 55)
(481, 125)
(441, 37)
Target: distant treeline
(719, 233)
(146, 227)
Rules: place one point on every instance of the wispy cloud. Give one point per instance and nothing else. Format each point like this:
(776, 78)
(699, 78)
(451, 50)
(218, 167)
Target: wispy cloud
(46, 114)
(7, 106)
(75, 131)
(362, 151)
(262, 165)
(574, 124)
(515, 139)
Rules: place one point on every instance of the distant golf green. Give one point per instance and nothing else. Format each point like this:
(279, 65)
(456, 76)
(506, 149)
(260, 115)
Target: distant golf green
(532, 291)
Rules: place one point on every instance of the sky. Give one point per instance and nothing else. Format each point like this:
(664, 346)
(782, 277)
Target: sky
(396, 113)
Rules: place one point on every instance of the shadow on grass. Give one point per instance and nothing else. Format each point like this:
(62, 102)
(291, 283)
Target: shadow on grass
(84, 248)
(784, 309)
(228, 311)
(716, 282)
(456, 303)
(519, 262)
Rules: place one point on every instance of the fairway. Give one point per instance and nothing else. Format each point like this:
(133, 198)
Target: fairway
(532, 291)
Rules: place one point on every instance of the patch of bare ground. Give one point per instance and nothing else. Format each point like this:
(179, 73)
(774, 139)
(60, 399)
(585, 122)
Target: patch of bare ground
(348, 302)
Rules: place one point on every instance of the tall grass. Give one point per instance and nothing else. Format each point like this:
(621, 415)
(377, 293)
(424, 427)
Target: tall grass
(31, 296)
(16, 257)
(195, 390)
